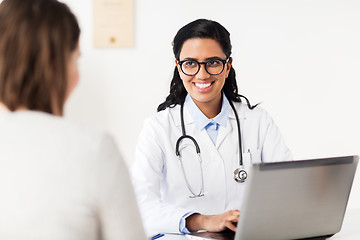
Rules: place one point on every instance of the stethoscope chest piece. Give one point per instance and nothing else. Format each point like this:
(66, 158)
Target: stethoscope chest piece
(240, 175)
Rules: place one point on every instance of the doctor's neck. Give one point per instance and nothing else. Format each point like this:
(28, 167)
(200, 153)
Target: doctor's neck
(209, 108)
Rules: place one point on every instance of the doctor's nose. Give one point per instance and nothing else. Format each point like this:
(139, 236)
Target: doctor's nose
(202, 74)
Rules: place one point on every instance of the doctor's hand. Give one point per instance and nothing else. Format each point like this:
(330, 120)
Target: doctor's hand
(215, 223)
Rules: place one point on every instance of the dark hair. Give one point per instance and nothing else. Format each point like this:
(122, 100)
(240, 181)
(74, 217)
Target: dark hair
(37, 39)
(201, 28)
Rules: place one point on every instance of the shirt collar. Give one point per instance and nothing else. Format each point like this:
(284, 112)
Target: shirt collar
(201, 120)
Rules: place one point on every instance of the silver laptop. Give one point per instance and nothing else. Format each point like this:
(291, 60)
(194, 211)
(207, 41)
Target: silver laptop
(294, 200)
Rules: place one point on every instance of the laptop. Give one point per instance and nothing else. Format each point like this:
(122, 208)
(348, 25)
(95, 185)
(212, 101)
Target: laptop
(293, 200)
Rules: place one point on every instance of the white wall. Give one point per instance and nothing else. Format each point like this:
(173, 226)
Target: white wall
(300, 58)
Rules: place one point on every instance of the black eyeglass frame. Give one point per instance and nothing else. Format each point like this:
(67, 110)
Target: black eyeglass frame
(199, 65)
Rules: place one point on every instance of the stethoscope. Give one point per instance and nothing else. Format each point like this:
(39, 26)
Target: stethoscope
(240, 174)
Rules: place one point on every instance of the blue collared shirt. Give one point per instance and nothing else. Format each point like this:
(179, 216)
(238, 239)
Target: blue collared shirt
(211, 126)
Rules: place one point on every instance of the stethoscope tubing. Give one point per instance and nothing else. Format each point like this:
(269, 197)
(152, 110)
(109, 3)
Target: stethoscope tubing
(239, 133)
(184, 136)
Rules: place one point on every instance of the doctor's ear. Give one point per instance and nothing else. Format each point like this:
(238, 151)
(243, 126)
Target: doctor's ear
(228, 64)
(177, 65)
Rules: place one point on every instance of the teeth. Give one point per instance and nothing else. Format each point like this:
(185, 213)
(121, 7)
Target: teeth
(202, 85)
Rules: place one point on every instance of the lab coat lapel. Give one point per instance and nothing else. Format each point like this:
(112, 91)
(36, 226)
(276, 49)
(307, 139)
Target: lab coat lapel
(187, 117)
(223, 132)
(200, 136)
(231, 126)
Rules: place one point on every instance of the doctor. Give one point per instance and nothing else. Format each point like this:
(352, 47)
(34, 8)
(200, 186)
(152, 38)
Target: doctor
(193, 156)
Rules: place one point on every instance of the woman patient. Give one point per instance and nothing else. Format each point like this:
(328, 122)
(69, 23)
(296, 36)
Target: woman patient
(57, 180)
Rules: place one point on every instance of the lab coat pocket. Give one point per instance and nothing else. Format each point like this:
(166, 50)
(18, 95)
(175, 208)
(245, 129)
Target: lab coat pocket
(252, 156)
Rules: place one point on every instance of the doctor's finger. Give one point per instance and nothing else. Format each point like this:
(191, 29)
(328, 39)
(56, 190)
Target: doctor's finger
(230, 226)
(233, 216)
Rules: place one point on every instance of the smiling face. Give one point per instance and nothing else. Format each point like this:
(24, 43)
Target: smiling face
(203, 88)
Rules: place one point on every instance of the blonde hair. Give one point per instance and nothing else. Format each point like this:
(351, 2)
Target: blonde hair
(37, 39)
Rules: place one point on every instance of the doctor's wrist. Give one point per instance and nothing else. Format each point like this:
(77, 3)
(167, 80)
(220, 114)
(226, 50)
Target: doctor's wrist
(196, 222)
(213, 223)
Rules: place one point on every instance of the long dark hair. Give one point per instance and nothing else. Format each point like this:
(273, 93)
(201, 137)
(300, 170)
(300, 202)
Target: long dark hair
(201, 28)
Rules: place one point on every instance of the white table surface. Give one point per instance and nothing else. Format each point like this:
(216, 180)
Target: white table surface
(350, 229)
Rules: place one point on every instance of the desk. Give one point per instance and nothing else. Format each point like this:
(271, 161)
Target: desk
(350, 229)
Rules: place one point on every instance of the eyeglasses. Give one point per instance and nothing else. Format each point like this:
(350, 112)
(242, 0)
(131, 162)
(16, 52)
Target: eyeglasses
(212, 66)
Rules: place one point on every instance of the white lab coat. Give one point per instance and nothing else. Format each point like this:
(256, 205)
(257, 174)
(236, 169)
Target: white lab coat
(160, 187)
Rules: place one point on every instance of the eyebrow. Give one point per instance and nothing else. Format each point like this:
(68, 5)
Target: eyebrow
(206, 59)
